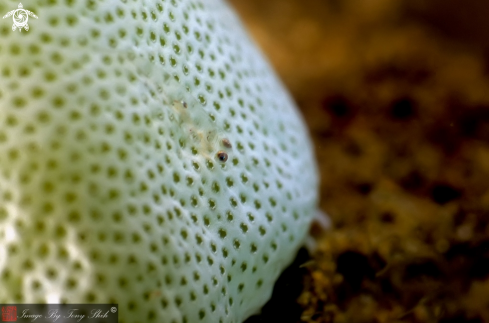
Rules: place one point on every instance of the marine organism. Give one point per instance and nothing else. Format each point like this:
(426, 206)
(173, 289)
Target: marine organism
(111, 120)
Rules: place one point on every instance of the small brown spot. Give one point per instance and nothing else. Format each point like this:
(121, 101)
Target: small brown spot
(226, 143)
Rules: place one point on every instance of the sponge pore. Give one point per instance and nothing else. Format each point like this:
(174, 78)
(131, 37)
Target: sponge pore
(148, 157)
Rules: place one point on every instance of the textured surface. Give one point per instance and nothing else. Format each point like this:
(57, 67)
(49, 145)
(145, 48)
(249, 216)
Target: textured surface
(400, 118)
(110, 189)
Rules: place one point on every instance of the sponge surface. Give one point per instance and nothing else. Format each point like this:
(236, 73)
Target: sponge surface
(112, 118)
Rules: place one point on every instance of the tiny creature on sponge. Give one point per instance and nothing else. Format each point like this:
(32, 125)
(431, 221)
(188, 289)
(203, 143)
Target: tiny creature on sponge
(105, 194)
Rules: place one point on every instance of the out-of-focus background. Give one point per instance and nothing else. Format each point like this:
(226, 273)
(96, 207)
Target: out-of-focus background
(396, 97)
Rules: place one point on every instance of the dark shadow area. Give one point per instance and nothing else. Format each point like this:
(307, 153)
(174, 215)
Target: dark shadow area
(282, 306)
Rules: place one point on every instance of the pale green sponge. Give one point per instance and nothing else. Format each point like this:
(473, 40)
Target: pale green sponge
(148, 157)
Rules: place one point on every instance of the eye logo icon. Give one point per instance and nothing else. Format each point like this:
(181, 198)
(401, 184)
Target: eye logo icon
(20, 17)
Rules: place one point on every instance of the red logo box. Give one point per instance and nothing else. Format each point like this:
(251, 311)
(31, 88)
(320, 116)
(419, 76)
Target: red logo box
(9, 313)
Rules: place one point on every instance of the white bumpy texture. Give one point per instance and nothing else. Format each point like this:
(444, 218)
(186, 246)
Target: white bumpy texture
(110, 190)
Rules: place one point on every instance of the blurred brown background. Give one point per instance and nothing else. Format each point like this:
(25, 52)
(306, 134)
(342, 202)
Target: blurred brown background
(396, 97)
